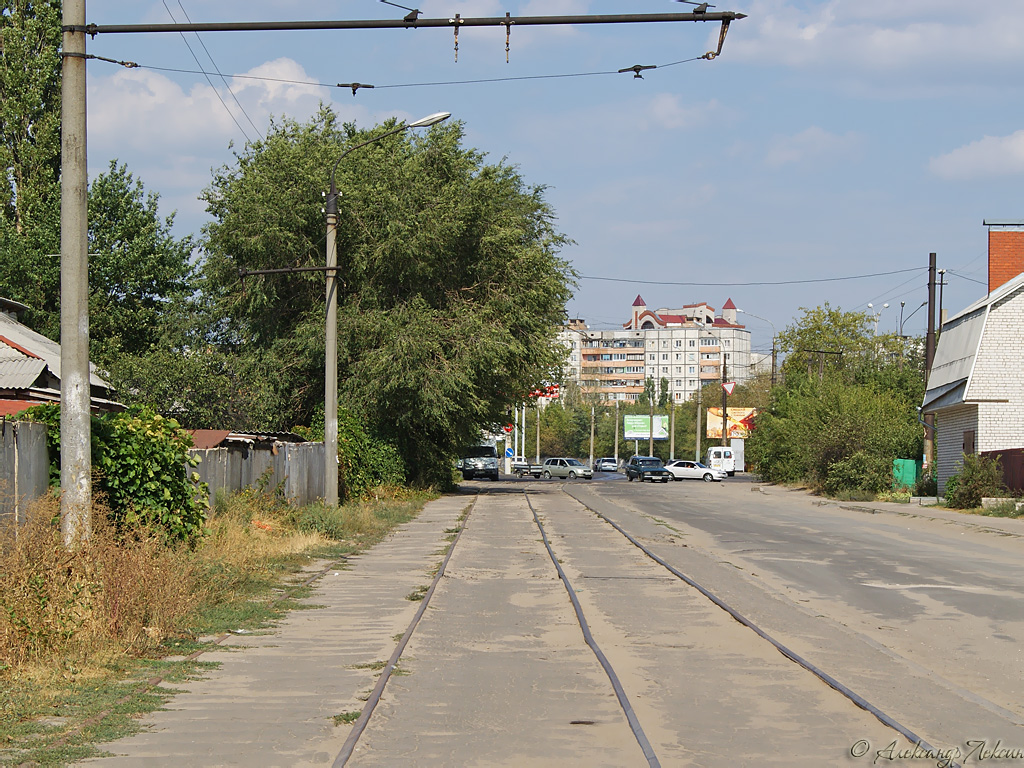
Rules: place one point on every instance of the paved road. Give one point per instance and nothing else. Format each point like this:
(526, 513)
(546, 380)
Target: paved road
(916, 614)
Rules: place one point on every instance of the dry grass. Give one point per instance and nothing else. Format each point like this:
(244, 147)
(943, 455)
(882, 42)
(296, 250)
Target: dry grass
(112, 593)
(76, 622)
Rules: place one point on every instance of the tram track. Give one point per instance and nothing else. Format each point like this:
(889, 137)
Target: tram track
(860, 701)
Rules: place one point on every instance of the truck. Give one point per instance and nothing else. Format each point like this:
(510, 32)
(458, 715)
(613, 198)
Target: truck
(521, 467)
(479, 461)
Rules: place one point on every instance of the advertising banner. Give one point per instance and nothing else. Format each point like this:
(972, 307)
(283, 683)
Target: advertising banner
(639, 427)
(739, 420)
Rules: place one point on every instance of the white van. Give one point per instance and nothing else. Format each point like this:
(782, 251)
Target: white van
(722, 457)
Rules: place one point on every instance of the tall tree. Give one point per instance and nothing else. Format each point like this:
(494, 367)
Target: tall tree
(452, 286)
(30, 39)
(136, 265)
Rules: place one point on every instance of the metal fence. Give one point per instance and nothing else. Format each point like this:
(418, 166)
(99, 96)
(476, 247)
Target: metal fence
(296, 468)
(24, 468)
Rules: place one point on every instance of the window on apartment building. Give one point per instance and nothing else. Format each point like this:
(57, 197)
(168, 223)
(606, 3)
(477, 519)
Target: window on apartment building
(664, 370)
(728, 342)
(679, 369)
(652, 358)
(678, 356)
(679, 342)
(664, 357)
(692, 383)
(693, 369)
(679, 382)
(693, 343)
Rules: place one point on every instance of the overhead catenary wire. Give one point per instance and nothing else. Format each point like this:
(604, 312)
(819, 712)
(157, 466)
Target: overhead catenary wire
(208, 80)
(755, 283)
(221, 74)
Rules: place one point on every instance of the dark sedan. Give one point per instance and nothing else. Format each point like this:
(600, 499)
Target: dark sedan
(647, 468)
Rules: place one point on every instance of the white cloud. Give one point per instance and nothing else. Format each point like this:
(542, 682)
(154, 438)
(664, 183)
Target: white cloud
(813, 144)
(879, 36)
(987, 157)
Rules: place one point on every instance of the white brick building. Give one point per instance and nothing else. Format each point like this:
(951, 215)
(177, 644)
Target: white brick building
(976, 386)
(684, 347)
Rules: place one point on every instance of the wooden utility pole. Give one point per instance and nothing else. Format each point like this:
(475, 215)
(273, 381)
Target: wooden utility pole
(929, 357)
(671, 430)
(75, 400)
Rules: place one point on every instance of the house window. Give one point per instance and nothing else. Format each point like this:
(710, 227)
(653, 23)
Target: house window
(968, 442)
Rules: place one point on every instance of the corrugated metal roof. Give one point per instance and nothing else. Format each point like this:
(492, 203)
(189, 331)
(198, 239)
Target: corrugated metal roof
(37, 344)
(20, 373)
(958, 346)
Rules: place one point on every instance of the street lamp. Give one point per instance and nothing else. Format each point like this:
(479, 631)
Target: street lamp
(878, 314)
(774, 336)
(331, 346)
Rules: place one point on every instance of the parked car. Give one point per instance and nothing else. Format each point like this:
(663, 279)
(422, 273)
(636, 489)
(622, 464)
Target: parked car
(682, 469)
(567, 468)
(647, 468)
(606, 465)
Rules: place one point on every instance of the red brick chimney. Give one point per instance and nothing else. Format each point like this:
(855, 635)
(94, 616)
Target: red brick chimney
(1005, 251)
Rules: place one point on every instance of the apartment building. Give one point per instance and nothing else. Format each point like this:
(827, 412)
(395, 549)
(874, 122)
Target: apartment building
(685, 348)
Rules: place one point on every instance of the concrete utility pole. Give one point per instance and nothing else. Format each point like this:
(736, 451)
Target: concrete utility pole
(700, 389)
(616, 435)
(591, 437)
(725, 400)
(76, 440)
(671, 430)
(929, 357)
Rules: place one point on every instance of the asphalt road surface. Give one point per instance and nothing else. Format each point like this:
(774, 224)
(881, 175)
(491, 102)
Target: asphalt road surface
(907, 626)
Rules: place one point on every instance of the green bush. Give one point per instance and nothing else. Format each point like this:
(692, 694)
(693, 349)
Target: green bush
(860, 472)
(141, 466)
(364, 462)
(980, 477)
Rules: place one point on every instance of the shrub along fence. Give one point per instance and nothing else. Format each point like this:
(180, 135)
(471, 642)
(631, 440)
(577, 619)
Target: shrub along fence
(24, 467)
(297, 469)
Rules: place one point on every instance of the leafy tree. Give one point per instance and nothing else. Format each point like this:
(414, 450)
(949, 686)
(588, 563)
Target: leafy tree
(135, 266)
(452, 284)
(30, 39)
(826, 338)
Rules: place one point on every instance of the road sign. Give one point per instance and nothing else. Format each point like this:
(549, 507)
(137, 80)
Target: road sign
(509, 453)
(729, 387)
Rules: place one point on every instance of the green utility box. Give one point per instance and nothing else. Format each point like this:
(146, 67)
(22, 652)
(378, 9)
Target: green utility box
(905, 473)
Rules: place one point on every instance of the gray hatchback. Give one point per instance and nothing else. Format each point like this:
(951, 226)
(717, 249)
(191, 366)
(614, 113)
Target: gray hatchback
(567, 468)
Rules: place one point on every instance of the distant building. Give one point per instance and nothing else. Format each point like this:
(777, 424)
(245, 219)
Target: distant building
(30, 367)
(684, 347)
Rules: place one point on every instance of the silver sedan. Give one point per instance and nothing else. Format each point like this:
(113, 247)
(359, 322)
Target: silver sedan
(682, 469)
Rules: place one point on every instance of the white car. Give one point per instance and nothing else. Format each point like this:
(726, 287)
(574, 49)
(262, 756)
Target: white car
(682, 469)
(607, 464)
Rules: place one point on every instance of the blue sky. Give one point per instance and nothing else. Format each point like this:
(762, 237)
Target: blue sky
(831, 139)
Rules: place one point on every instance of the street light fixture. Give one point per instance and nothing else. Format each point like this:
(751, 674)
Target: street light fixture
(331, 344)
(774, 336)
(878, 314)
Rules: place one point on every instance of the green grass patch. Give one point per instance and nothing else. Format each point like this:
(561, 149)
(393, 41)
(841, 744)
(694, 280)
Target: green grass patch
(347, 718)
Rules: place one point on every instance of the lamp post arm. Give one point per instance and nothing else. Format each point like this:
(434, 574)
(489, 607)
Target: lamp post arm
(331, 204)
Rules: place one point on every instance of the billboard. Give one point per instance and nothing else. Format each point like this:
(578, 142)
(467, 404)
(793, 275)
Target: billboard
(639, 427)
(740, 422)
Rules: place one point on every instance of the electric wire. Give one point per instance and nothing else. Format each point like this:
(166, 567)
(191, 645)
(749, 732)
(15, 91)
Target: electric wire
(221, 74)
(755, 283)
(430, 84)
(207, 76)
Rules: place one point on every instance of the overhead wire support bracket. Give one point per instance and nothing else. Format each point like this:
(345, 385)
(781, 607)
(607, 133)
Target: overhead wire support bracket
(444, 23)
